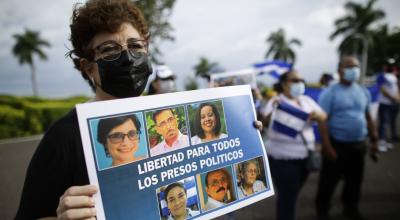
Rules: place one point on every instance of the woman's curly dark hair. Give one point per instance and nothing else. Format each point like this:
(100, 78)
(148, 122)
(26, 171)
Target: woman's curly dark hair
(97, 16)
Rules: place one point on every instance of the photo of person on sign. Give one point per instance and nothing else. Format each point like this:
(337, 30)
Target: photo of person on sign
(167, 130)
(207, 122)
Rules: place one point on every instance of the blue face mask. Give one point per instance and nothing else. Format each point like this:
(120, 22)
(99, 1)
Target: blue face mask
(297, 89)
(351, 74)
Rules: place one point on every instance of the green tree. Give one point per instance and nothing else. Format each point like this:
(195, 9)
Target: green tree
(355, 27)
(204, 68)
(281, 48)
(191, 84)
(25, 47)
(157, 13)
(387, 46)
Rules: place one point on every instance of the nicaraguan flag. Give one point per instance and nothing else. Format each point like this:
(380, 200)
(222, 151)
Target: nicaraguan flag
(275, 68)
(289, 120)
(190, 186)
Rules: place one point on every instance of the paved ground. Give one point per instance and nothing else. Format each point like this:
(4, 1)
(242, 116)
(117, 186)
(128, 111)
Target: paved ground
(380, 195)
(380, 199)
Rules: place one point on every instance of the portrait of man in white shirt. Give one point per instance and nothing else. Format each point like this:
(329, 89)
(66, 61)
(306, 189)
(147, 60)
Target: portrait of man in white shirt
(166, 125)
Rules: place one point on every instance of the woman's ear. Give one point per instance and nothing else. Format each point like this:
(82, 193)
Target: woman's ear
(87, 67)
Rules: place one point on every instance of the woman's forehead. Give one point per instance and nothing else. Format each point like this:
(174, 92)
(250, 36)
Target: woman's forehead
(125, 32)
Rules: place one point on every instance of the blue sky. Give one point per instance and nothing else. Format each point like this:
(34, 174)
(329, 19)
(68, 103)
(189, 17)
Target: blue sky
(230, 32)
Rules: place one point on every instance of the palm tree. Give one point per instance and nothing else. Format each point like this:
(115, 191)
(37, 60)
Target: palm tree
(204, 68)
(355, 27)
(280, 48)
(25, 47)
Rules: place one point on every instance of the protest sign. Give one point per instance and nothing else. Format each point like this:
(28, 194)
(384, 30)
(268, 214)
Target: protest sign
(239, 77)
(186, 153)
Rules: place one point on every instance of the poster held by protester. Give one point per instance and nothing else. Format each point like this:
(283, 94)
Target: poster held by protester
(240, 77)
(172, 155)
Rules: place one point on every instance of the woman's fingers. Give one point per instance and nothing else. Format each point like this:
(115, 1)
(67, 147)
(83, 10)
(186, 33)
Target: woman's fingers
(70, 202)
(87, 190)
(80, 213)
(258, 125)
(77, 203)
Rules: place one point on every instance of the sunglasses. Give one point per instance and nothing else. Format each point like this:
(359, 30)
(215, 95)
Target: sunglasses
(296, 80)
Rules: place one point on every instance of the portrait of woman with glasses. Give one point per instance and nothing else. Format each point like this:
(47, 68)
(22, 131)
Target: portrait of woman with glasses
(250, 175)
(120, 137)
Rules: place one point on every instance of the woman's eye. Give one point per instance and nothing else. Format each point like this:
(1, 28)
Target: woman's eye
(108, 49)
(135, 46)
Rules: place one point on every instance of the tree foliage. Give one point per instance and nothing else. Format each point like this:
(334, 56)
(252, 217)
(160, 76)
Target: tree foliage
(204, 67)
(280, 47)
(26, 45)
(355, 25)
(157, 13)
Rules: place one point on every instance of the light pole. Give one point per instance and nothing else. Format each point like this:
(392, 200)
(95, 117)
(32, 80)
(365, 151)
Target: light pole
(364, 56)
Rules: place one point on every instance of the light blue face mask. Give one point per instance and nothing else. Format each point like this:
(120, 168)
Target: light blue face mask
(351, 74)
(297, 89)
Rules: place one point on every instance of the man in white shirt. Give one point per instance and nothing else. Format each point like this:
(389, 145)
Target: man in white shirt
(167, 126)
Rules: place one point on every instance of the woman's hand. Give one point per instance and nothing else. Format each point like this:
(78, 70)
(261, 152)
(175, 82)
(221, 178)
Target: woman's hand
(258, 125)
(317, 116)
(77, 203)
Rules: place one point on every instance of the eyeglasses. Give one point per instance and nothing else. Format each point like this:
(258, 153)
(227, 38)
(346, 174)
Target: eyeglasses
(170, 121)
(296, 80)
(216, 182)
(111, 50)
(251, 171)
(119, 137)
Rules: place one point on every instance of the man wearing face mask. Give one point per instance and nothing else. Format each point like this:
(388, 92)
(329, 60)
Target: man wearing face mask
(164, 81)
(349, 123)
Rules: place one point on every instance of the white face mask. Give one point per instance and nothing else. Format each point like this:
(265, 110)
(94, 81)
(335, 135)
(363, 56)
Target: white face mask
(297, 89)
(166, 86)
(351, 74)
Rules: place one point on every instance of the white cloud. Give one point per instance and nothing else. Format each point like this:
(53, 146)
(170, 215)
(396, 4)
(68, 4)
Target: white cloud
(325, 16)
(230, 32)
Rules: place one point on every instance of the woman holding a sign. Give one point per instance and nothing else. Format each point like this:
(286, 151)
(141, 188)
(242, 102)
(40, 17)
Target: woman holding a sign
(290, 137)
(207, 124)
(110, 49)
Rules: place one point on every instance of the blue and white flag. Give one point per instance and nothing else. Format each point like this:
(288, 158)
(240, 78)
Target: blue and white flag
(289, 120)
(275, 68)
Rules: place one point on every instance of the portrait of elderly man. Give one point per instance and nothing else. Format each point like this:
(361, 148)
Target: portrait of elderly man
(166, 125)
(176, 199)
(218, 185)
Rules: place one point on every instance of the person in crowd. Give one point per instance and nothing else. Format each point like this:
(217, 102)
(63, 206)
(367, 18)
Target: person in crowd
(249, 184)
(349, 123)
(166, 125)
(218, 188)
(110, 49)
(111, 134)
(207, 124)
(288, 155)
(164, 81)
(389, 99)
(326, 80)
(176, 198)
